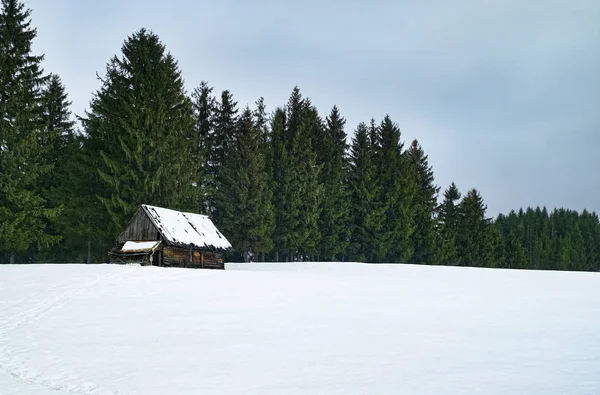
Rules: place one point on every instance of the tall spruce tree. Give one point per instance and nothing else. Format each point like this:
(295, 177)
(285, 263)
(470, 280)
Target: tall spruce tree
(514, 253)
(204, 105)
(225, 118)
(475, 239)
(425, 240)
(331, 149)
(141, 126)
(59, 188)
(294, 113)
(58, 125)
(75, 185)
(245, 194)
(309, 191)
(285, 215)
(496, 247)
(449, 217)
(589, 227)
(544, 242)
(578, 255)
(565, 252)
(94, 223)
(366, 212)
(397, 180)
(295, 176)
(24, 213)
(261, 121)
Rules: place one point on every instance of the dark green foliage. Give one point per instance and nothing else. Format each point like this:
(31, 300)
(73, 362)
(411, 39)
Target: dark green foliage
(449, 217)
(514, 253)
(588, 224)
(82, 223)
(219, 142)
(94, 225)
(24, 212)
(141, 132)
(309, 190)
(397, 188)
(294, 113)
(295, 174)
(60, 187)
(367, 212)
(497, 247)
(475, 243)
(561, 240)
(383, 185)
(425, 239)
(245, 193)
(57, 132)
(204, 106)
(334, 221)
(279, 171)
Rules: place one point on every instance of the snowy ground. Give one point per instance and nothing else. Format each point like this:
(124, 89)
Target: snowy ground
(297, 329)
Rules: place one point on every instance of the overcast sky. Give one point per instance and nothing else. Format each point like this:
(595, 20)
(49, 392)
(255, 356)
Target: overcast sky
(503, 95)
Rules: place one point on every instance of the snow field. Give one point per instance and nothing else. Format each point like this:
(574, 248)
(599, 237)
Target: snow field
(332, 328)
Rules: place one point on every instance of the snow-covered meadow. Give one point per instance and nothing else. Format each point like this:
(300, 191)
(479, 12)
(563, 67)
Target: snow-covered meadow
(297, 329)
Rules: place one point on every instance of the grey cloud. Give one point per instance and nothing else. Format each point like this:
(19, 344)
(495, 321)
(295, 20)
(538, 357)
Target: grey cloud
(502, 94)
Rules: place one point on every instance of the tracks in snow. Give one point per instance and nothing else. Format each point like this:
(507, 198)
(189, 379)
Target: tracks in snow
(15, 366)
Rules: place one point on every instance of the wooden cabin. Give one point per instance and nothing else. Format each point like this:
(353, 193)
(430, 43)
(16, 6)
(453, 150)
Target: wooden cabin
(163, 237)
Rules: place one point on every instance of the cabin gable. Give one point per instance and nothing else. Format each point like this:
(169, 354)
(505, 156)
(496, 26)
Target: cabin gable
(139, 228)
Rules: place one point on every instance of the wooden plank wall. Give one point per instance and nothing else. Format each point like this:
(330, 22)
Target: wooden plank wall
(212, 260)
(173, 256)
(140, 228)
(180, 257)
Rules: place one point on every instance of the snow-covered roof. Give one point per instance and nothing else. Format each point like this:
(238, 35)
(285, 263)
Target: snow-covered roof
(186, 229)
(139, 246)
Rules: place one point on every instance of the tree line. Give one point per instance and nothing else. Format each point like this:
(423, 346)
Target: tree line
(284, 185)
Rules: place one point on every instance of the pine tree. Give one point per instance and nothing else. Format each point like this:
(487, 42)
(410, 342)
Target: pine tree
(221, 140)
(293, 117)
(261, 122)
(59, 188)
(565, 252)
(449, 217)
(589, 228)
(424, 240)
(306, 173)
(82, 223)
(94, 224)
(514, 253)
(578, 254)
(396, 177)
(24, 213)
(246, 196)
(495, 252)
(285, 211)
(335, 212)
(366, 212)
(203, 104)
(141, 128)
(295, 174)
(58, 125)
(474, 241)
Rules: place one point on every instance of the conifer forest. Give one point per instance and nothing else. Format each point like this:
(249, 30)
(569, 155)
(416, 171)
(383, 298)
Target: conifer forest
(289, 184)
